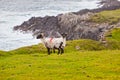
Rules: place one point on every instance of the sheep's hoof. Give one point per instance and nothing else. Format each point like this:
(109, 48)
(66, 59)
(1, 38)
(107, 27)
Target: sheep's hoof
(48, 53)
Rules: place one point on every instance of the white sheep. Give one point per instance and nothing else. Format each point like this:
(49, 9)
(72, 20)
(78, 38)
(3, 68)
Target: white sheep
(53, 43)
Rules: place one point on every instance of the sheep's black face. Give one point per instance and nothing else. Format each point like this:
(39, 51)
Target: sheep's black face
(40, 36)
(64, 35)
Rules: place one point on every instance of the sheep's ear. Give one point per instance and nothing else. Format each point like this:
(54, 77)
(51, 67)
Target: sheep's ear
(66, 34)
(42, 34)
(38, 37)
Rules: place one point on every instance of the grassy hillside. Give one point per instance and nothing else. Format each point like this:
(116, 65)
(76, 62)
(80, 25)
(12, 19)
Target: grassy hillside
(72, 46)
(77, 65)
(82, 60)
(79, 62)
(110, 17)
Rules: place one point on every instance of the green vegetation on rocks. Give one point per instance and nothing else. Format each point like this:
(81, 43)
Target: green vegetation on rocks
(114, 34)
(111, 17)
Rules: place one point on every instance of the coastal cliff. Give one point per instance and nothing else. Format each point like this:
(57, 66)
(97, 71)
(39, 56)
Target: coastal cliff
(81, 24)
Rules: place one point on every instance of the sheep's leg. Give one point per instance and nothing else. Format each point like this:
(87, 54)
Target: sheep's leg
(58, 50)
(48, 51)
(62, 50)
(54, 50)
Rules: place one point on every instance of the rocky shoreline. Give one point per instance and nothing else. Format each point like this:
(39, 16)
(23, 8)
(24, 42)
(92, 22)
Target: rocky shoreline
(76, 24)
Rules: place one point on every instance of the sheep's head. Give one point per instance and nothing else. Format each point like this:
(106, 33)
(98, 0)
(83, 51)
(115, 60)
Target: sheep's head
(41, 35)
(64, 35)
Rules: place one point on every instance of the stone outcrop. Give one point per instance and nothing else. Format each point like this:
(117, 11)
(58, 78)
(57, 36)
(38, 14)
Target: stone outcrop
(76, 24)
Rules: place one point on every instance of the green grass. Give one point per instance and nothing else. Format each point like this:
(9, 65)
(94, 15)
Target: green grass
(113, 39)
(114, 34)
(4, 53)
(87, 62)
(110, 17)
(79, 65)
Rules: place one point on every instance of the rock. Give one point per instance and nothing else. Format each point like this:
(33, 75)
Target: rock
(75, 24)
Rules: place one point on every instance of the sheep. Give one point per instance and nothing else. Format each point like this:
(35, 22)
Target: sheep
(53, 43)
